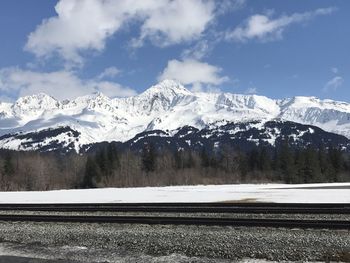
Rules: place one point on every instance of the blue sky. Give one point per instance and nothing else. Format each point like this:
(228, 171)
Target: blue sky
(275, 48)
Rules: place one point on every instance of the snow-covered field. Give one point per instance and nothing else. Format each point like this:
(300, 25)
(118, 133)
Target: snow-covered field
(281, 193)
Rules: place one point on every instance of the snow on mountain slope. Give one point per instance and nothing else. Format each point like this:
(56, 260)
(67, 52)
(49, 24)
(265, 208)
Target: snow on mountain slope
(165, 106)
(332, 116)
(62, 139)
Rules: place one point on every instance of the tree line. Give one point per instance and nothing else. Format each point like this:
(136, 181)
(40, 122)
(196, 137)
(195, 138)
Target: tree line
(109, 167)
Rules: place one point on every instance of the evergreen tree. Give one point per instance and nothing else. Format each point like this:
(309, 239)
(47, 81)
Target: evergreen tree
(8, 167)
(113, 157)
(215, 159)
(300, 160)
(326, 168)
(312, 169)
(92, 174)
(205, 160)
(286, 163)
(148, 158)
(226, 152)
(102, 161)
(243, 165)
(337, 161)
(189, 161)
(178, 159)
(253, 160)
(276, 165)
(107, 159)
(265, 163)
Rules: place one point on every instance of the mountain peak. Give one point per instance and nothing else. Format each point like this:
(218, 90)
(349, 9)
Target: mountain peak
(162, 96)
(168, 87)
(36, 97)
(30, 107)
(167, 105)
(97, 95)
(40, 100)
(91, 101)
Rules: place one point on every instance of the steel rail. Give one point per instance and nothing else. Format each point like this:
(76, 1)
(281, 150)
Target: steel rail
(208, 221)
(256, 208)
(211, 204)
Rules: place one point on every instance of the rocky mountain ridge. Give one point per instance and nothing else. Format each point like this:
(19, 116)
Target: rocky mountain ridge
(167, 106)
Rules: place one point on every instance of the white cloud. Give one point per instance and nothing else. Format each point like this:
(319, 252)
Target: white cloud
(225, 6)
(193, 72)
(198, 51)
(334, 84)
(82, 25)
(111, 89)
(110, 72)
(79, 25)
(177, 21)
(251, 90)
(59, 84)
(265, 28)
(335, 70)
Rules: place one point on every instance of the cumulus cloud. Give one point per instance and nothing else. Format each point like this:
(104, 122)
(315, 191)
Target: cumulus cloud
(334, 84)
(110, 72)
(82, 25)
(193, 72)
(177, 21)
(59, 84)
(266, 28)
(79, 25)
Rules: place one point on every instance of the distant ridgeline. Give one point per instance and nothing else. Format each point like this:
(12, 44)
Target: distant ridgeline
(173, 118)
(231, 153)
(169, 135)
(242, 136)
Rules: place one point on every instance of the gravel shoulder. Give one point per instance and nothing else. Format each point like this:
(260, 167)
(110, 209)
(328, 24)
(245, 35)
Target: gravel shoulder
(219, 215)
(130, 243)
(12, 259)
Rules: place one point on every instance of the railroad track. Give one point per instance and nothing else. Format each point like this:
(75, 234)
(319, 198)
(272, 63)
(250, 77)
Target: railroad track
(210, 208)
(249, 208)
(151, 220)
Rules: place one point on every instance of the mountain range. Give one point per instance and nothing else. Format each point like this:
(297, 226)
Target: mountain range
(171, 114)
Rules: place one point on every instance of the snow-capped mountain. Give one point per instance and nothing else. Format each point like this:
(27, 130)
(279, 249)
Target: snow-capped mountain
(167, 106)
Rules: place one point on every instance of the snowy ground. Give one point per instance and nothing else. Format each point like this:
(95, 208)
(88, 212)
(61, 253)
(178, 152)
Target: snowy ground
(282, 193)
